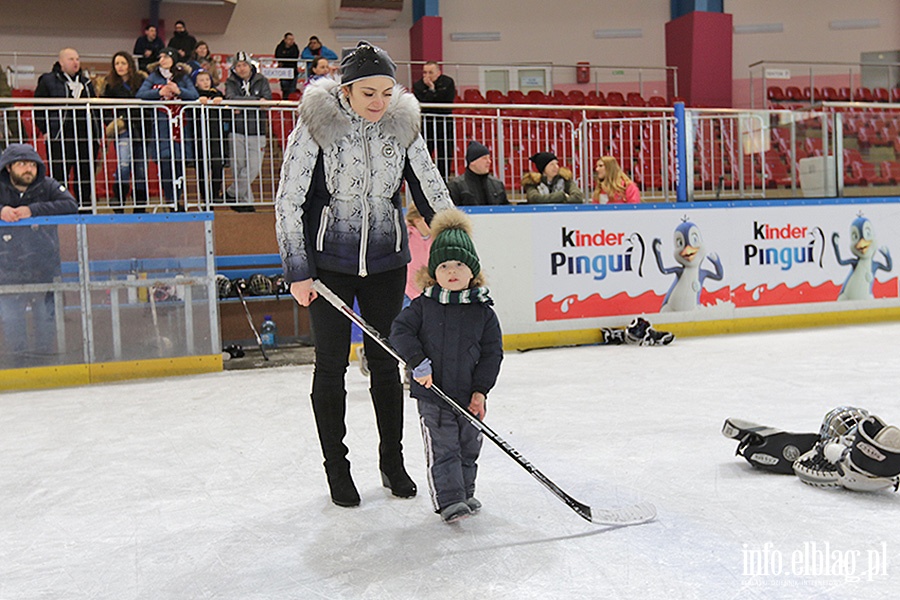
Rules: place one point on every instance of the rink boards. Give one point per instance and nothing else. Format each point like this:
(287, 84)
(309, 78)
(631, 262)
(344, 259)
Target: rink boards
(557, 273)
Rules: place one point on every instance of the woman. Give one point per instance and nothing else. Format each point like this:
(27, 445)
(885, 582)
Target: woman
(320, 68)
(167, 81)
(201, 59)
(123, 81)
(552, 184)
(612, 186)
(339, 220)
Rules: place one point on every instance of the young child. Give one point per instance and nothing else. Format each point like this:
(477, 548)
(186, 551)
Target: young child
(452, 336)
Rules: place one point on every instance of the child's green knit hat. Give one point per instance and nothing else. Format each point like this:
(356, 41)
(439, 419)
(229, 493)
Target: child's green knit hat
(451, 231)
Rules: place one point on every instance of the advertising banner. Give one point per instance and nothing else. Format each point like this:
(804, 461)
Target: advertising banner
(704, 260)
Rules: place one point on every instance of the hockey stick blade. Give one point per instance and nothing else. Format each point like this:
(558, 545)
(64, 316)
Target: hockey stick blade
(633, 515)
(250, 322)
(627, 515)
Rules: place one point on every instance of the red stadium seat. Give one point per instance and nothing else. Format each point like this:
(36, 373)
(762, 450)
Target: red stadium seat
(575, 97)
(473, 96)
(496, 97)
(863, 94)
(615, 99)
(775, 94)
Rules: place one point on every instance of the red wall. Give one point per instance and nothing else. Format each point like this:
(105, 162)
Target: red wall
(700, 45)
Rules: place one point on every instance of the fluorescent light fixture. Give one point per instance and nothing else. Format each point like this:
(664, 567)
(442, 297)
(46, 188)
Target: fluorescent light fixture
(856, 24)
(355, 37)
(760, 28)
(475, 36)
(602, 34)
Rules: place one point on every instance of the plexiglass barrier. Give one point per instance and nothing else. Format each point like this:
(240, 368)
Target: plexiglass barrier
(96, 289)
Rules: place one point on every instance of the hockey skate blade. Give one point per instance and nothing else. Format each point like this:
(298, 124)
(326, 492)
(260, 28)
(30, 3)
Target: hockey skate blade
(628, 515)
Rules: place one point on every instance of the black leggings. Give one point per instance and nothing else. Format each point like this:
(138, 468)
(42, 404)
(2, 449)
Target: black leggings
(380, 297)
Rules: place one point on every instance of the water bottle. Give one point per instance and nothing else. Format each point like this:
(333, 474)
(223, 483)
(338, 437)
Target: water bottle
(268, 332)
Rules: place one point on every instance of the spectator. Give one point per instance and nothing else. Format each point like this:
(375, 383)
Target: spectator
(419, 234)
(436, 88)
(611, 185)
(288, 48)
(168, 81)
(315, 49)
(29, 254)
(124, 81)
(183, 42)
(348, 235)
(201, 59)
(552, 184)
(10, 132)
(476, 186)
(66, 129)
(320, 68)
(248, 133)
(147, 47)
(211, 157)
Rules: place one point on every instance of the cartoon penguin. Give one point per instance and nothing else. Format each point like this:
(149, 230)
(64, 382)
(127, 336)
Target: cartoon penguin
(689, 253)
(860, 281)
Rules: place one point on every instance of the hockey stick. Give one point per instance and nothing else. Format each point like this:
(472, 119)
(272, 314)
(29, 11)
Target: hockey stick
(250, 321)
(632, 515)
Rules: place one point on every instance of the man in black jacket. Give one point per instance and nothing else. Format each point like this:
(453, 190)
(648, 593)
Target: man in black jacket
(28, 255)
(183, 42)
(476, 186)
(437, 88)
(147, 48)
(72, 132)
(288, 48)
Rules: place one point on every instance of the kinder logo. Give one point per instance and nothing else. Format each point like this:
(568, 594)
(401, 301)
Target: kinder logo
(599, 265)
(784, 256)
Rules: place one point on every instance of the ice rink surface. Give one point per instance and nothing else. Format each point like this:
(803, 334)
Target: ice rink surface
(211, 486)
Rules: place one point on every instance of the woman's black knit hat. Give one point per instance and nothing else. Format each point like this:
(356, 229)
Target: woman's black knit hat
(366, 61)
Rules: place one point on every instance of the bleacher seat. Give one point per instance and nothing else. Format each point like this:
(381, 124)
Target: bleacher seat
(775, 94)
(535, 97)
(496, 97)
(881, 95)
(595, 98)
(867, 174)
(829, 94)
(794, 94)
(575, 97)
(890, 169)
(516, 97)
(615, 99)
(863, 94)
(473, 96)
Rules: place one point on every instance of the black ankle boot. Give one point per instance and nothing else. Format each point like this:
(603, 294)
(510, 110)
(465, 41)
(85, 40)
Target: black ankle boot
(343, 492)
(399, 482)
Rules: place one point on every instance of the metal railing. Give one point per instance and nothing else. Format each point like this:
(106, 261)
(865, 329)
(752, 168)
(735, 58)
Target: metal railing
(116, 154)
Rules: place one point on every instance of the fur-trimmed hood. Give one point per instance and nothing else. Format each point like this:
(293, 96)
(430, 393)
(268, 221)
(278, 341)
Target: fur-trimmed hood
(329, 117)
(532, 178)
